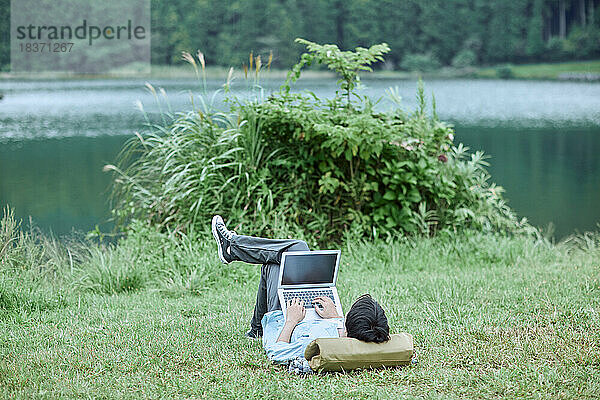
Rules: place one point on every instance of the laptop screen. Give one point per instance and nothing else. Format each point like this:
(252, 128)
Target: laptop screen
(308, 269)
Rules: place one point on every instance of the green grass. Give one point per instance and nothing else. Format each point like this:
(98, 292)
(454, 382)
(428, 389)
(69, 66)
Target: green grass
(521, 71)
(544, 71)
(166, 72)
(492, 317)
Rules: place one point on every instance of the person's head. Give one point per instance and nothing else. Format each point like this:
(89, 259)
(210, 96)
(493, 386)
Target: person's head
(366, 321)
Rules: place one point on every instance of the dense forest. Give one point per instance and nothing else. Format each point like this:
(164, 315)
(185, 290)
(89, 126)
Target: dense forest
(421, 34)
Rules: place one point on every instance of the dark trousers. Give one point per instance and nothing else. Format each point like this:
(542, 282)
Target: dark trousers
(255, 250)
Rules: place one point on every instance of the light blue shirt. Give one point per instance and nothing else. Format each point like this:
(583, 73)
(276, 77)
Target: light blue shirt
(304, 333)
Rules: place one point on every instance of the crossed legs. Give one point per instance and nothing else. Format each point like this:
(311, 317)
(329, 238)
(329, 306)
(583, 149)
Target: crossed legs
(255, 250)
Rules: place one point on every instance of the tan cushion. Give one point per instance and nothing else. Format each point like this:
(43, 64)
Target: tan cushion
(344, 354)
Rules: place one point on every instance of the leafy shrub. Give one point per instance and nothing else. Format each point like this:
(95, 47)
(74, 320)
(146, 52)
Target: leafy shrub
(294, 164)
(505, 71)
(583, 42)
(420, 62)
(464, 58)
(360, 169)
(346, 63)
(555, 49)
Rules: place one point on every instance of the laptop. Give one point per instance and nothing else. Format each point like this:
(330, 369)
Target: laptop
(307, 275)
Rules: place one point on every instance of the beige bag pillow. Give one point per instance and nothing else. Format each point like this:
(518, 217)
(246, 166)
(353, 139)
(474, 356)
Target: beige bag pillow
(344, 354)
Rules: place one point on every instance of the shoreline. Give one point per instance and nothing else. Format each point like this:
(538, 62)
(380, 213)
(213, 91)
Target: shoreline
(579, 71)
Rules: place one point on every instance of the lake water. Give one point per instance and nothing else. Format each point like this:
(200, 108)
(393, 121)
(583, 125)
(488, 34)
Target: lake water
(543, 139)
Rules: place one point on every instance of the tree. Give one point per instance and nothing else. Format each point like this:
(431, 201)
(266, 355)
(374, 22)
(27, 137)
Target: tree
(4, 34)
(535, 32)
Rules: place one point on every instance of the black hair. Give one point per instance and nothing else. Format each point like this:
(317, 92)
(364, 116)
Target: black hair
(366, 321)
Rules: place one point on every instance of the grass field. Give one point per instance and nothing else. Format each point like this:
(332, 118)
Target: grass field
(160, 317)
(545, 71)
(550, 71)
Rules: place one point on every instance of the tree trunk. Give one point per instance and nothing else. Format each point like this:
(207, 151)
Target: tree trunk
(591, 12)
(562, 32)
(547, 26)
(582, 12)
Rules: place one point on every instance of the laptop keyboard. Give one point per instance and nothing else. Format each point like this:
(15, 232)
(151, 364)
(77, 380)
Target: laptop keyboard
(307, 296)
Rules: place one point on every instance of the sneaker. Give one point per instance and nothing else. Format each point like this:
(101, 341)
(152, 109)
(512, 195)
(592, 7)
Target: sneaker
(223, 237)
(254, 334)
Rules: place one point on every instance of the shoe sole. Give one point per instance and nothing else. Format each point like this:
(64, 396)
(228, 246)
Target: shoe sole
(216, 236)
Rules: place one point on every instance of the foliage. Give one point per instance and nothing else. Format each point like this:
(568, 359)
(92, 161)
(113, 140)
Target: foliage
(583, 42)
(4, 35)
(347, 64)
(186, 167)
(314, 168)
(464, 58)
(420, 62)
(368, 172)
(544, 71)
(504, 71)
(535, 30)
(556, 49)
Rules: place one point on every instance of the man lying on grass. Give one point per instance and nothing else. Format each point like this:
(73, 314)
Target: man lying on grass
(286, 339)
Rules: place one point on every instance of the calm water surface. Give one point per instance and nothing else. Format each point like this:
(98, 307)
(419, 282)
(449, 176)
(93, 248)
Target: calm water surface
(543, 139)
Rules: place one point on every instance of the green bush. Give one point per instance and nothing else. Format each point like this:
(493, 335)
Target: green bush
(420, 62)
(358, 169)
(556, 49)
(294, 164)
(583, 42)
(505, 71)
(464, 58)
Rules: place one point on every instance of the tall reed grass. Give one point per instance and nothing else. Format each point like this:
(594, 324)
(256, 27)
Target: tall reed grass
(194, 164)
(40, 272)
(31, 268)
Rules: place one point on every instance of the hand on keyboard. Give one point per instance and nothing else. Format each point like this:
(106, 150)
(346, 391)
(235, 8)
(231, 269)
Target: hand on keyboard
(325, 307)
(308, 296)
(295, 311)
